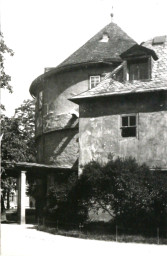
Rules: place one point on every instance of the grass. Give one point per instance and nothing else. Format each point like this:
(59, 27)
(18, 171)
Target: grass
(93, 235)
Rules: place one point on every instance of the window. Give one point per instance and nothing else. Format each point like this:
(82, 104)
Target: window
(94, 81)
(40, 100)
(105, 38)
(128, 125)
(139, 69)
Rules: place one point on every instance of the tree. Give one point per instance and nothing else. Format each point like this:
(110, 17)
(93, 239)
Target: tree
(4, 78)
(4, 83)
(18, 141)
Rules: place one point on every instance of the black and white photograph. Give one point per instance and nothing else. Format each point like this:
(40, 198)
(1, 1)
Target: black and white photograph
(83, 127)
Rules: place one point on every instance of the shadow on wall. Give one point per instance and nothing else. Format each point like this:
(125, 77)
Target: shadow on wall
(62, 147)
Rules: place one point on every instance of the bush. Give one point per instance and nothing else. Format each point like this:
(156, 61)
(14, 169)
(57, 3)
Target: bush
(132, 194)
(63, 205)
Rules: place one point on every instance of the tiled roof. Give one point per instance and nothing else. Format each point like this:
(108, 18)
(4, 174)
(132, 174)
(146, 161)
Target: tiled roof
(111, 87)
(95, 50)
(159, 67)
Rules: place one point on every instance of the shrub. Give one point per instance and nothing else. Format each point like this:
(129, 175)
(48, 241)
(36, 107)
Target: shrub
(132, 194)
(63, 205)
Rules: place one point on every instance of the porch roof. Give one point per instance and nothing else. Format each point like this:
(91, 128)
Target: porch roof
(35, 168)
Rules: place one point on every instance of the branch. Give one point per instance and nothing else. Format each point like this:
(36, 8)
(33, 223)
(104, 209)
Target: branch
(105, 208)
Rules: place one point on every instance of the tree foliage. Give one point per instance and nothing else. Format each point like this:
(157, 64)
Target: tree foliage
(5, 78)
(63, 204)
(18, 142)
(131, 193)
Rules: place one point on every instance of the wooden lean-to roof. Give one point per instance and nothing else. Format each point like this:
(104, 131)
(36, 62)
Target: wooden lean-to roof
(96, 50)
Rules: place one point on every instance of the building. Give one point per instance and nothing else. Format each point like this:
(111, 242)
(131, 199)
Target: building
(57, 132)
(128, 116)
(109, 98)
(117, 88)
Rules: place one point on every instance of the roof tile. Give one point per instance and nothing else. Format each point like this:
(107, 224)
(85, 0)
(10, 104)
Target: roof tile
(94, 50)
(109, 86)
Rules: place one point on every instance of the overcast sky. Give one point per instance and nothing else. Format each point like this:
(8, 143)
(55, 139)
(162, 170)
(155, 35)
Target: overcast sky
(42, 33)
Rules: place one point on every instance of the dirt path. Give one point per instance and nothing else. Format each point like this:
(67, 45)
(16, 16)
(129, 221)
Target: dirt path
(19, 240)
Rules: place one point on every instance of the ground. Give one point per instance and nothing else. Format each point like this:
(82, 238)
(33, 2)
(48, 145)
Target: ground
(25, 240)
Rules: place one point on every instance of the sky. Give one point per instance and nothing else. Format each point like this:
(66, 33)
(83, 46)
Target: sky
(42, 33)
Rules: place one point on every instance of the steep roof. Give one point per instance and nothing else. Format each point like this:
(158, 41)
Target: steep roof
(97, 49)
(159, 68)
(109, 86)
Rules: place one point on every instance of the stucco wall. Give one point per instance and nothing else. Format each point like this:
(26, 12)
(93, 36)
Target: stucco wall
(100, 133)
(57, 121)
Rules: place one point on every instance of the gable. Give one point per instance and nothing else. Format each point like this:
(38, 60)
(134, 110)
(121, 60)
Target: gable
(138, 51)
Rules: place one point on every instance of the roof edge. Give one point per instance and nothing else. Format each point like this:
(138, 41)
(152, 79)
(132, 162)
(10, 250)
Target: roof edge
(66, 68)
(79, 99)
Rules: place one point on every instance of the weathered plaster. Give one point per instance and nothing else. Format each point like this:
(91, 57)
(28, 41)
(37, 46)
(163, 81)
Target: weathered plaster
(61, 148)
(57, 121)
(100, 133)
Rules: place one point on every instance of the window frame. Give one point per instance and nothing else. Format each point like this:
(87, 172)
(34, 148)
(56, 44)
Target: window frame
(129, 126)
(93, 76)
(139, 61)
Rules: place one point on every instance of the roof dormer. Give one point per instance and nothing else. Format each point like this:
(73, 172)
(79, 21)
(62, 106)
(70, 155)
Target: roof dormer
(137, 51)
(138, 59)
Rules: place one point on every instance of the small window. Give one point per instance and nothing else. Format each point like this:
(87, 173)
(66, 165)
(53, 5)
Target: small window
(139, 69)
(105, 38)
(94, 81)
(40, 100)
(128, 126)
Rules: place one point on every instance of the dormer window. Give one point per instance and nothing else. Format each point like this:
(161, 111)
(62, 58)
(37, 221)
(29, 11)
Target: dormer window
(138, 69)
(94, 81)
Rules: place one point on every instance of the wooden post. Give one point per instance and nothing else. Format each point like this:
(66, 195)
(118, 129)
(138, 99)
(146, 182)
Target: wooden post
(116, 233)
(21, 197)
(157, 235)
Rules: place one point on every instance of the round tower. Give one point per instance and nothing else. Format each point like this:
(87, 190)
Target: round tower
(57, 117)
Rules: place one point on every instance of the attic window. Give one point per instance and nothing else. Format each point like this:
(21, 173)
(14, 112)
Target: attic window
(128, 125)
(159, 40)
(105, 38)
(94, 81)
(138, 69)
